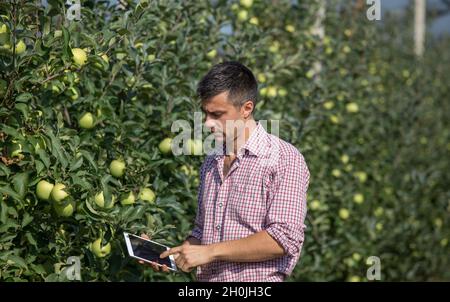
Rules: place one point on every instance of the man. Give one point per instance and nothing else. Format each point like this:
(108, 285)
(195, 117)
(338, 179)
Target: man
(252, 197)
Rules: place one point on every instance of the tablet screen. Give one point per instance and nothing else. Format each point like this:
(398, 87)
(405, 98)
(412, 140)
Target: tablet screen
(148, 250)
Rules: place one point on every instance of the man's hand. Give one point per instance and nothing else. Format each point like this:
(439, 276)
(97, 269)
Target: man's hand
(153, 265)
(188, 256)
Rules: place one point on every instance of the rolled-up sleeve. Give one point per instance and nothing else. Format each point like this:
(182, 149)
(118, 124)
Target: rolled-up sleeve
(197, 231)
(287, 203)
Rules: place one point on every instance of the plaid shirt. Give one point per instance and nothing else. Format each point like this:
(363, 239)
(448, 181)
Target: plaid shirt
(265, 189)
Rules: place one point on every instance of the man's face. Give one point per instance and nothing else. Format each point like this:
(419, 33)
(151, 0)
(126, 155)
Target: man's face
(219, 110)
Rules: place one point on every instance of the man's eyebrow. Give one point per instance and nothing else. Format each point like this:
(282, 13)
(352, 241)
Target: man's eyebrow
(214, 111)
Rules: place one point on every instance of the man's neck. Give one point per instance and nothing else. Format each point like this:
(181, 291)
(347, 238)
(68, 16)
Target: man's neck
(238, 142)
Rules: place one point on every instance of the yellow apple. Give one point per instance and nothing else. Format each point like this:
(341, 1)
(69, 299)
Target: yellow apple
(130, 199)
(79, 56)
(98, 250)
(65, 209)
(58, 194)
(147, 195)
(117, 168)
(44, 189)
(99, 200)
(165, 146)
(86, 121)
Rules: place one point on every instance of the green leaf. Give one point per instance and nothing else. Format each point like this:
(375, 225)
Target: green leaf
(30, 238)
(18, 261)
(75, 165)
(90, 159)
(23, 98)
(10, 131)
(27, 218)
(20, 182)
(57, 149)
(23, 108)
(4, 170)
(67, 52)
(6, 189)
(44, 157)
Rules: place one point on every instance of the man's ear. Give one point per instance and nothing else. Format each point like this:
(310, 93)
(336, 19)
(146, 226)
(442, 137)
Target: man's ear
(247, 109)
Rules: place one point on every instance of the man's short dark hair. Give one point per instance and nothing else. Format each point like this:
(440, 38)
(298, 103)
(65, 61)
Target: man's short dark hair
(233, 77)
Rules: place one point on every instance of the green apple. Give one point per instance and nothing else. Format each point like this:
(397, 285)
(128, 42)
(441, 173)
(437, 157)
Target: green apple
(290, 28)
(99, 200)
(165, 146)
(117, 168)
(4, 33)
(242, 15)
(86, 121)
(194, 147)
(212, 54)
(98, 250)
(130, 199)
(65, 209)
(246, 3)
(44, 189)
(254, 21)
(151, 57)
(79, 56)
(20, 47)
(147, 195)
(58, 194)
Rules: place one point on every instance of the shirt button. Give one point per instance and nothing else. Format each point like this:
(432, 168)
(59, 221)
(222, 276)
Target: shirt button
(218, 227)
(220, 204)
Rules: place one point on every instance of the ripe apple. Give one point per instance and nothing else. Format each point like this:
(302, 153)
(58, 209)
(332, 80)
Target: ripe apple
(79, 56)
(98, 250)
(147, 195)
(20, 47)
(290, 28)
(212, 54)
(271, 91)
(99, 200)
(242, 15)
(254, 21)
(165, 146)
(86, 121)
(117, 168)
(130, 199)
(58, 194)
(44, 189)
(4, 33)
(65, 209)
(246, 3)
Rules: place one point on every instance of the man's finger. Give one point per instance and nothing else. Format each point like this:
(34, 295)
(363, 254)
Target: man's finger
(145, 236)
(171, 251)
(165, 268)
(155, 267)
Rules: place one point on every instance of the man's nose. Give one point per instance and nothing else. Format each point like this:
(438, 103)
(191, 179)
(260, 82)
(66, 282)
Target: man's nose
(210, 123)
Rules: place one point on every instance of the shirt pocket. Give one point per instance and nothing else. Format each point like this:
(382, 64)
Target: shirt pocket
(247, 205)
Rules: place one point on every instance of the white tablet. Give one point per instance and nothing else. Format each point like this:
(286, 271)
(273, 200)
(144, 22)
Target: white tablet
(148, 251)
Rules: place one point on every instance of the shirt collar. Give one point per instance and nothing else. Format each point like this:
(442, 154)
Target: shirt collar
(255, 144)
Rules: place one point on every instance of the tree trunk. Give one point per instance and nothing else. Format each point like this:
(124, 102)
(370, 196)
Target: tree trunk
(419, 27)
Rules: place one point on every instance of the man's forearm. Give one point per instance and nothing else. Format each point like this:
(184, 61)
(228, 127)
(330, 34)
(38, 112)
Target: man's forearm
(257, 247)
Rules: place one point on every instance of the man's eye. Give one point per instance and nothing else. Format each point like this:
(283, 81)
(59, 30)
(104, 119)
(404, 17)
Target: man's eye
(216, 114)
